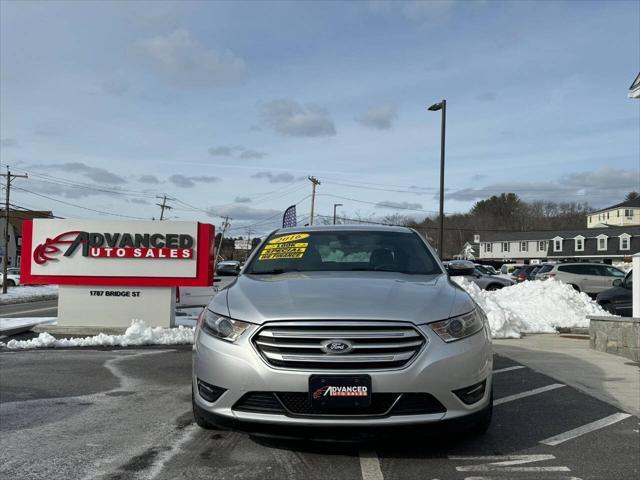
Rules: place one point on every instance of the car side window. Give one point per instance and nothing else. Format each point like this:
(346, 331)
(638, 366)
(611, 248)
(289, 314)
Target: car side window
(613, 272)
(575, 269)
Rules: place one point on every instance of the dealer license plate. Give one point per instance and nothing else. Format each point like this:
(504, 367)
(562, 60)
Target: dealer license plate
(340, 391)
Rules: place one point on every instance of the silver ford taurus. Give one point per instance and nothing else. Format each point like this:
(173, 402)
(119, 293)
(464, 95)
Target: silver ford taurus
(342, 326)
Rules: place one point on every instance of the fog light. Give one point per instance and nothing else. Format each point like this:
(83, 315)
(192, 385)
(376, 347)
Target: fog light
(209, 392)
(472, 394)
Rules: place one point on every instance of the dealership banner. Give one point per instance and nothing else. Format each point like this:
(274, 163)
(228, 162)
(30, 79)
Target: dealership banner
(126, 253)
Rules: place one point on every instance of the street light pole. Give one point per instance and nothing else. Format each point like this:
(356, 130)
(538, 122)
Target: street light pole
(335, 205)
(434, 108)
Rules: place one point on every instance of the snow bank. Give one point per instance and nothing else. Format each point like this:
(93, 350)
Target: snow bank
(137, 334)
(532, 307)
(29, 293)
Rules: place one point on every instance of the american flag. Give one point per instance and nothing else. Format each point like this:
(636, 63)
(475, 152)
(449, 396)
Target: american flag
(289, 217)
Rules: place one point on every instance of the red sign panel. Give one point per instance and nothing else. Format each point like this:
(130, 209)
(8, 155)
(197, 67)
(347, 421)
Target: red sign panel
(120, 249)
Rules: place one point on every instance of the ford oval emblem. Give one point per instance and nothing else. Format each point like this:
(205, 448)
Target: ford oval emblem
(337, 346)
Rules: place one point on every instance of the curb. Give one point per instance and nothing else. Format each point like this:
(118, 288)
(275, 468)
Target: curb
(78, 331)
(21, 300)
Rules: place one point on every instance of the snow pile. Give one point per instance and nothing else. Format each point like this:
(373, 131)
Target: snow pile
(29, 293)
(532, 307)
(137, 334)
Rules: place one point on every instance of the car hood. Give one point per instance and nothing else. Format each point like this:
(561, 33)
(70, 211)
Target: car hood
(343, 296)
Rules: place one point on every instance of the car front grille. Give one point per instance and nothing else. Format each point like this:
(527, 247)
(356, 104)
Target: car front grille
(298, 404)
(373, 345)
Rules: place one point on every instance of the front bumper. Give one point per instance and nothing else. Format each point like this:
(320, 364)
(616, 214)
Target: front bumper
(439, 369)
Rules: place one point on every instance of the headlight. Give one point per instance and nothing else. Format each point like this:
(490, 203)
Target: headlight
(222, 327)
(459, 327)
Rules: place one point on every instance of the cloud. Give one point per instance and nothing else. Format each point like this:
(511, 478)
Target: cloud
(242, 212)
(235, 151)
(251, 154)
(598, 187)
(186, 62)
(379, 118)
(284, 177)
(426, 13)
(205, 179)
(97, 174)
(222, 151)
(478, 176)
(151, 179)
(139, 201)
(242, 200)
(289, 118)
(183, 181)
(114, 86)
(8, 143)
(399, 205)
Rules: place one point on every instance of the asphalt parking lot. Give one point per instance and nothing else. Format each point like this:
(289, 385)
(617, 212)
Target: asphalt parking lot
(126, 414)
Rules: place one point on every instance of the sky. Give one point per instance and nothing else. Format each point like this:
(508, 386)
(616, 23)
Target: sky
(227, 108)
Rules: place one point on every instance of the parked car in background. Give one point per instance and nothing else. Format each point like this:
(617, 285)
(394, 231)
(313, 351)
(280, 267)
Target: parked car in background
(523, 273)
(13, 277)
(508, 268)
(485, 270)
(591, 278)
(544, 268)
(228, 267)
(617, 300)
(475, 275)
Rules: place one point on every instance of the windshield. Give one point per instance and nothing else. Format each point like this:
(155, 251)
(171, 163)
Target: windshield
(344, 251)
(545, 268)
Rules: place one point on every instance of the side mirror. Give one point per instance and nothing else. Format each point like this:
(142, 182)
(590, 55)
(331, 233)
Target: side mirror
(461, 268)
(617, 282)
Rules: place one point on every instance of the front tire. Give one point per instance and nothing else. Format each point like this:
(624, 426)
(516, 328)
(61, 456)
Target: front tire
(11, 283)
(609, 307)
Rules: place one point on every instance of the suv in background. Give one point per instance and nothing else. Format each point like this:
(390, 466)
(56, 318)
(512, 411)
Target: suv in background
(544, 268)
(13, 277)
(591, 278)
(617, 300)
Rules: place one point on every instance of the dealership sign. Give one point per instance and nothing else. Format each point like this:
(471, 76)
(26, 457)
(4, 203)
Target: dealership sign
(125, 253)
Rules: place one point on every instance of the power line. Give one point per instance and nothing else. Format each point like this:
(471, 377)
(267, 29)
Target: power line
(163, 206)
(78, 206)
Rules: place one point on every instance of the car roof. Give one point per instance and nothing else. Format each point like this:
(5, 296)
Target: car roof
(344, 228)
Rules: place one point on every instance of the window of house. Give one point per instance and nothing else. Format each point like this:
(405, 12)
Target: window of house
(557, 244)
(542, 246)
(625, 243)
(607, 215)
(524, 246)
(487, 247)
(602, 243)
(505, 246)
(579, 244)
(628, 212)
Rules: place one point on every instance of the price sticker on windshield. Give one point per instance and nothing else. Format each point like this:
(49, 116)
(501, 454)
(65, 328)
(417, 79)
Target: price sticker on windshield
(285, 247)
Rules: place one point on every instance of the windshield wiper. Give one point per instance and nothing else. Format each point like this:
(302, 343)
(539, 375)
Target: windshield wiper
(275, 271)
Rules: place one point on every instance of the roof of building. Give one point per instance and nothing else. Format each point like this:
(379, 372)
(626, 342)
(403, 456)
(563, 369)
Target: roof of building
(634, 202)
(550, 234)
(16, 217)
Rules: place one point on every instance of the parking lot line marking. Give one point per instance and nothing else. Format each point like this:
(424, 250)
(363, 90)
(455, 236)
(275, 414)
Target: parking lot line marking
(589, 427)
(370, 465)
(528, 393)
(508, 369)
(492, 468)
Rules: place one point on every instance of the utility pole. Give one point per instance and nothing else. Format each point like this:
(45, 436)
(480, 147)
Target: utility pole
(225, 225)
(163, 206)
(314, 182)
(5, 256)
(248, 240)
(335, 205)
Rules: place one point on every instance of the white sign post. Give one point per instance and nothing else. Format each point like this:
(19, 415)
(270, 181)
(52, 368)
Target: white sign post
(635, 289)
